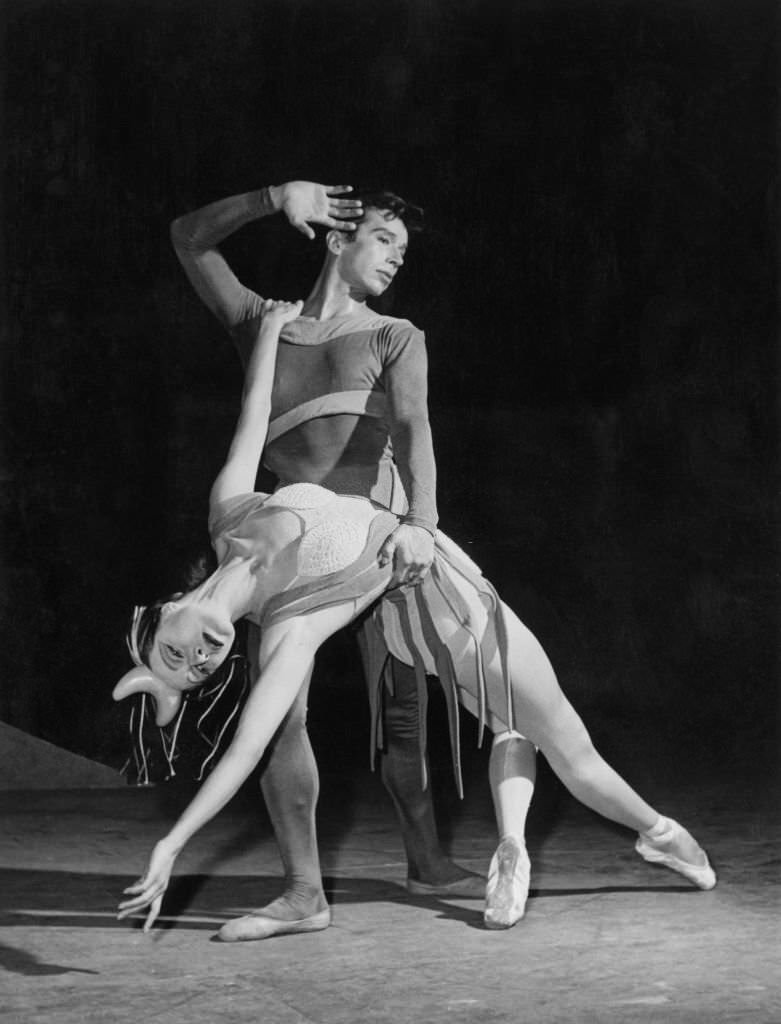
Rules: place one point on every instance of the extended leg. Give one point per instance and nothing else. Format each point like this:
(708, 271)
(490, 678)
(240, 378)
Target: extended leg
(550, 720)
(430, 872)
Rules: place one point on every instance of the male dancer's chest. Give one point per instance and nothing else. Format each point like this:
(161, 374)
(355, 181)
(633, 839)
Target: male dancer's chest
(308, 371)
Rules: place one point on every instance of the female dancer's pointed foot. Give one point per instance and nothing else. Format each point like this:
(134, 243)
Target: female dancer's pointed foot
(283, 916)
(508, 884)
(677, 849)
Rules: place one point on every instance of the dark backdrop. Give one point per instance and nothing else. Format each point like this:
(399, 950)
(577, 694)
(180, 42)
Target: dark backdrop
(597, 285)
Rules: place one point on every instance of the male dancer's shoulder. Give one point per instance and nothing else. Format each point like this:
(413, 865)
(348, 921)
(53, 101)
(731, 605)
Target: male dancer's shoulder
(395, 330)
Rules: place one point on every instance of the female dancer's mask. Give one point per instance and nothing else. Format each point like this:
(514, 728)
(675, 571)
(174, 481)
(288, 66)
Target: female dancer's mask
(167, 697)
(141, 679)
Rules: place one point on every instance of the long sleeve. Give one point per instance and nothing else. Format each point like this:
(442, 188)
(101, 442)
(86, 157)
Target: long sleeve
(406, 383)
(195, 237)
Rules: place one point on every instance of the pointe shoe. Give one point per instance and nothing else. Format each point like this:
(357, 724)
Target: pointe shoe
(508, 885)
(470, 887)
(252, 927)
(665, 850)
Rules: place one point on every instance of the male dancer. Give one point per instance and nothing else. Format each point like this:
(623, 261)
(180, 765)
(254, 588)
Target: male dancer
(349, 411)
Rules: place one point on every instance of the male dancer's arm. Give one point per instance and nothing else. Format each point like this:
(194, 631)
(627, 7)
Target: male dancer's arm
(411, 545)
(196, 237)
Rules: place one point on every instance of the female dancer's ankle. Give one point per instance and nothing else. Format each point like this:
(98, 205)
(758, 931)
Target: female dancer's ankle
(658, 829)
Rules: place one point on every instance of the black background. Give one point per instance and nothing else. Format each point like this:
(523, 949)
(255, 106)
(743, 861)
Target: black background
(597, 284)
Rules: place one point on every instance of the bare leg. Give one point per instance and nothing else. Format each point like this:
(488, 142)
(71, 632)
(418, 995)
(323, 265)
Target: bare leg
(549, 719)
(512, 771)
(290, 785)
(430, 872)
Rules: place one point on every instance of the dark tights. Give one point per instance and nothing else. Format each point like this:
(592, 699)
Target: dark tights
(401, 774)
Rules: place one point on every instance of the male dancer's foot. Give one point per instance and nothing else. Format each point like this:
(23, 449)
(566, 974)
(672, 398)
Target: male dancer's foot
(444, 878)
(429, 871)
(298, 909)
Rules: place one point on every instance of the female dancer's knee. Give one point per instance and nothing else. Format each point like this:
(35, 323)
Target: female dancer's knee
(564, 740)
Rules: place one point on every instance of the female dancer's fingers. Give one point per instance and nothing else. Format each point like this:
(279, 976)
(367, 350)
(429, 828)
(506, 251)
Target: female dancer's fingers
(135, 888)
(151, 895)
(154, 910)
(334, 190)
(151, 886)
(142, 899)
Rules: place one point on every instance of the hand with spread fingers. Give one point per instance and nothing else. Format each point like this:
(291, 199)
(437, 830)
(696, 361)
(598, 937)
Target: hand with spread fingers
(305, 203)
(411, 550)
(149, 889)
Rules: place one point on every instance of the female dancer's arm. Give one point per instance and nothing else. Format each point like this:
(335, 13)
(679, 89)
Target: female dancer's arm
(238, 474)
(286, 655)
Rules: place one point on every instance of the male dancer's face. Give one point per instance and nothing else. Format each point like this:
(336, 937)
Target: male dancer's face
(370, 260)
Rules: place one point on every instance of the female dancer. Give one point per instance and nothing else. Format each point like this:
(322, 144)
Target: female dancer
(304, 562)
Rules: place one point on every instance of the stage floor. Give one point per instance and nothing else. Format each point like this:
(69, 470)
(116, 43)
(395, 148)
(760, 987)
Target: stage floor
(606, 938)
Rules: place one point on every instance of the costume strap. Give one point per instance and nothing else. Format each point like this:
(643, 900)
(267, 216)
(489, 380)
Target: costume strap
(359, 402)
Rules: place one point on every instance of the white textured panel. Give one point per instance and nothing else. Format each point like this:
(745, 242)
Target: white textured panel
(331, 546)
(300, 496)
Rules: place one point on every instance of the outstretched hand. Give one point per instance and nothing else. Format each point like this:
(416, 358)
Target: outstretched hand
(149, 889)
(305, 203)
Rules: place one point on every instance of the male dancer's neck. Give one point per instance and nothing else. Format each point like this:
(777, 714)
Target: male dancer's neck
(331, 297)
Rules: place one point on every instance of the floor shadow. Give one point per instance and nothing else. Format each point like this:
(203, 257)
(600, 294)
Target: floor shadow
(19, 961)
(202, 902)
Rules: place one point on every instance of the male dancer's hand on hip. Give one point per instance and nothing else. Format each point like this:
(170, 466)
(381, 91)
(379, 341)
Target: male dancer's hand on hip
(411, 551)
